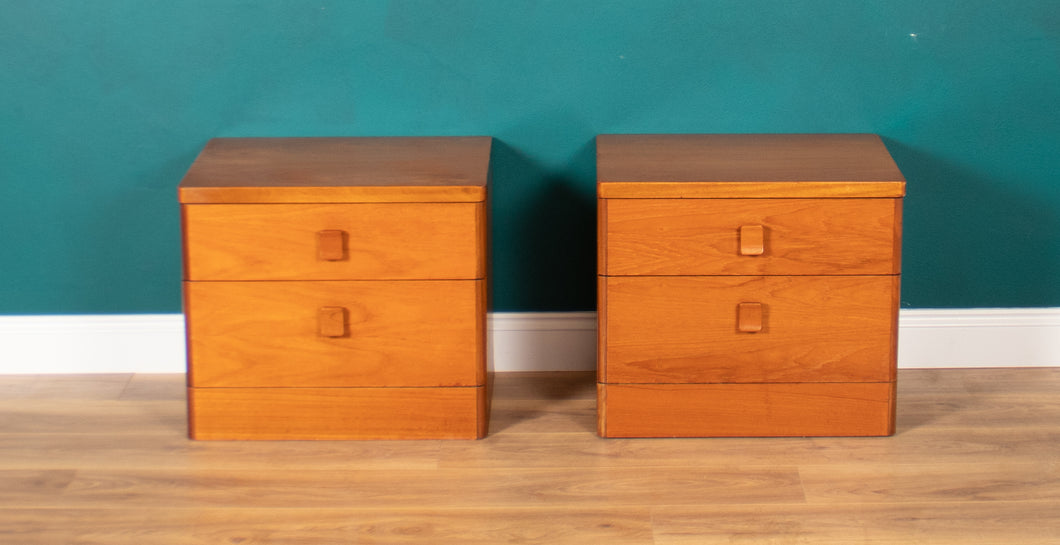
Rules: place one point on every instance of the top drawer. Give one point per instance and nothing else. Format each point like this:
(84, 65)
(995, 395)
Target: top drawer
(750, 236)
(351, 241)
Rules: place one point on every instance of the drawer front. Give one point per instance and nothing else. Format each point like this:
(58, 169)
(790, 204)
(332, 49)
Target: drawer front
(336, 334)
(744, 329)
(750, 236)
(746, 410)
(337, 413)
(334, 241)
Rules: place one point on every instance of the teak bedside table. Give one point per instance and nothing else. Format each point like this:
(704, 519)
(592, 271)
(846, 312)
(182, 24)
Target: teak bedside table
(336, 288)
(748, 285)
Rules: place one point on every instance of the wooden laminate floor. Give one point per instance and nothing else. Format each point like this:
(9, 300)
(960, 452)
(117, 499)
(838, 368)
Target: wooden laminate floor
(104, 459)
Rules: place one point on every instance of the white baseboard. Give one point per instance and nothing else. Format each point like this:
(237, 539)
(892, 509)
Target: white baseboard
(538, 341)
(120, 343)
(979, 337)
(543, 341)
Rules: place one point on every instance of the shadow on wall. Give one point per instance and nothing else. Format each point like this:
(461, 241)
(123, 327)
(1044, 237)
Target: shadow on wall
(969, 240)
(544, 232)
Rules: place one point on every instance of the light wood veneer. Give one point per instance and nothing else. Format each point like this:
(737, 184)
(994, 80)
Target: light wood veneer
(336, 288)
(748, 285)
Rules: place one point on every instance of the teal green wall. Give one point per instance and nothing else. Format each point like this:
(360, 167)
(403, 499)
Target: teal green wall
(106, 103)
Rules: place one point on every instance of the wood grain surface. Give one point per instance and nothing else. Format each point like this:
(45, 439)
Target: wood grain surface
(746, 410)
(105, 460)
(685, 329)
(337, 170)
(398, 333)
(702, 236)
(382, 241)
(337, 413)
(745, 165)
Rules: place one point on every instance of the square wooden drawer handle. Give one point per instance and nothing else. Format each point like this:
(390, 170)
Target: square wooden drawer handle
(331, 245)
(331, 321)
(752, 240)
(749, 317)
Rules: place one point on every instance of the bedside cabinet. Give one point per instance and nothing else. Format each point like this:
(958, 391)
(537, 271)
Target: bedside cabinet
(336, 288)
(748, 285)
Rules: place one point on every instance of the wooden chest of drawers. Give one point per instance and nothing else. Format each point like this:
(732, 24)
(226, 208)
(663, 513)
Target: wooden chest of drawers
(336, 288)
(748, 285)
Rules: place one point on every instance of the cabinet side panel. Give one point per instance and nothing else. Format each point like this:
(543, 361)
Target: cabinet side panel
(184, 241)
(483, 406)
(896, 302)
(188, 326)
(482, 361)
(601, 236)
(601, 328)
(601, 290)
(482, 240)
(892, 414)
(897, 259)
(601, 410)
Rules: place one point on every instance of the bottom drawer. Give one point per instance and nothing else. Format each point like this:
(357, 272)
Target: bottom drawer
(746, 410)
(338, 413)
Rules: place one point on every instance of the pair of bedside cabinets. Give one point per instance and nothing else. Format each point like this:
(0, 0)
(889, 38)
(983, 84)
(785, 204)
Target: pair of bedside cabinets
(337, 288)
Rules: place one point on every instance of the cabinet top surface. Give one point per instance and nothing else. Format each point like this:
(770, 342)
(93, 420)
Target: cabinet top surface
(745, 165)
(339, 169)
